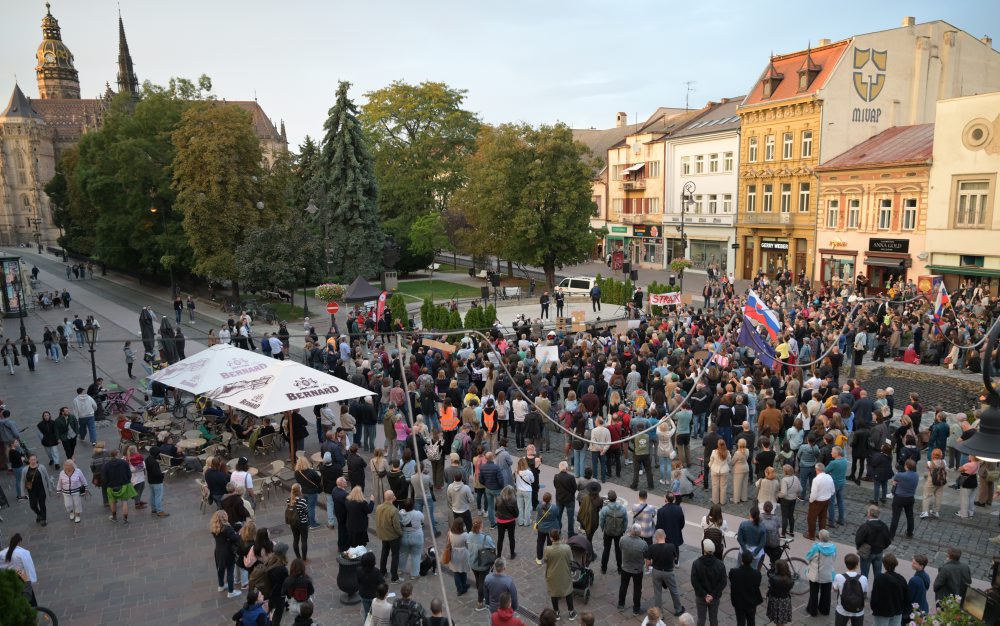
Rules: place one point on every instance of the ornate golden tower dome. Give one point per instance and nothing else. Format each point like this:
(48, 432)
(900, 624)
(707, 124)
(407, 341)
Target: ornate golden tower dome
(57, 77)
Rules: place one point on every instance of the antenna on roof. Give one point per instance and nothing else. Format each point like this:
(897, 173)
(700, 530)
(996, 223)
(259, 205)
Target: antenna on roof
(687, 94)
(255, 94)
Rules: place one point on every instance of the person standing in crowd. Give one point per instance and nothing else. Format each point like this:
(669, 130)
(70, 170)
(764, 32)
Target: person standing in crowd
(821, 558)
(497, 585)
(720, 466)
(613, 520)
(823, 489)
(935, 480)
(85, 407)
(18, 459)
(226, 544)
(16, 558)
(789, 490)
(633, 560)
(482, 552)
(890, 595)
(461, 500)
(565, 485)
(297, 518)
(917, 587)
(952, 577)
(852, 589)
(558, 557)
(661, 559)
(904, 490)
(871, 538)
(744, 586)
(389, 531)
(708, 580)
(458, 538)
(779, 594)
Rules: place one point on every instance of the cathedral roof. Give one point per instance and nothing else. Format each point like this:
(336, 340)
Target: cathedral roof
(20, 106)
(262, 124)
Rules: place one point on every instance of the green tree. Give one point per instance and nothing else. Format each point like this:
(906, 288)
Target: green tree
(530, 190)
(474, 318)
(412, 255)
(72, 210)
(262, 265)
(352, 195)
(307, 178)
(14, 605)
(397, 304)
(218, 178)
(420, 136)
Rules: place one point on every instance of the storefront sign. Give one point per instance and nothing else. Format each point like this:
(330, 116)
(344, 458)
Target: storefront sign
(838, 243)
(889, 245)
(665, 299)
(619, 229)
(645, 230)
(774, 245)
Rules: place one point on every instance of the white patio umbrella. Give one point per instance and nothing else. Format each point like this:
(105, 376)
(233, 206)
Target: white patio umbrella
(283, 386)
(212, 368)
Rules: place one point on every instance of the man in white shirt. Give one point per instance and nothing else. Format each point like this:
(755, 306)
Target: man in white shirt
(520, 410)
(277, 349)
(823, 488)
(601, 437)
(842, 616)
(224, 335)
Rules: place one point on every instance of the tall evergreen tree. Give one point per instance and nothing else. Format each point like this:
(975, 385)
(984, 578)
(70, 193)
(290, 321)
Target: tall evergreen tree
(352, 195)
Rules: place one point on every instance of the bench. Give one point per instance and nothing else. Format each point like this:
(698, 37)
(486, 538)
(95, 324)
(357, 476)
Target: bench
(482, 274)
(511, 292)
(434, 267)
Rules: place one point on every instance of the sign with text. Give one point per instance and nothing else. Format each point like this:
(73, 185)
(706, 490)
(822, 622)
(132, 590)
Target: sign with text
(665, 299)
(876, 244)
(645, 230)
(774, 245)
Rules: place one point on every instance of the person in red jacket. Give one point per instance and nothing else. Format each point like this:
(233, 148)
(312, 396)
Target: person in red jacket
(504, 616)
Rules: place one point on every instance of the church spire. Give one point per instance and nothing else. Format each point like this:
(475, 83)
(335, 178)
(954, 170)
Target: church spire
(127, 81)
(56, 75)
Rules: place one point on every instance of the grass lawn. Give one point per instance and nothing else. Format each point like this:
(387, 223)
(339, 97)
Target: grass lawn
(288, 311)
(417, 290)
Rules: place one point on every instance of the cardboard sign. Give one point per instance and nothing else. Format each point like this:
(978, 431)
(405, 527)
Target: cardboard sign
(546, 354)
(447, 348)
(579, 321)
(665, 299)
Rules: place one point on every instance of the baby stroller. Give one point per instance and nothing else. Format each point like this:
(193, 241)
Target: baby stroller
(579, 570)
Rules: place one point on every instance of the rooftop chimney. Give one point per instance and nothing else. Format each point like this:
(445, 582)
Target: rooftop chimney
(909, 20)
(823, 42)
(621, 119)
(986, 39)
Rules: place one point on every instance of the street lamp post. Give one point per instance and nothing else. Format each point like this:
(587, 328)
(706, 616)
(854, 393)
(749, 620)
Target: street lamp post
(90, 331)
(687, 198)
(312, 210)
(305, 294)
(170, 267)
(22, 311)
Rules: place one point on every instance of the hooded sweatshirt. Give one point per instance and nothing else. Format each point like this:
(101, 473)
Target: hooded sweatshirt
(821, 559)
(505, 617)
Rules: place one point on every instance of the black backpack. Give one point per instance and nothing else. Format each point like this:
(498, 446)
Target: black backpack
(852, 595)
(406, 613)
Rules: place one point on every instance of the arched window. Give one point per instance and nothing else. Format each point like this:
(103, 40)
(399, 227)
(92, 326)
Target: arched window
(22, 174)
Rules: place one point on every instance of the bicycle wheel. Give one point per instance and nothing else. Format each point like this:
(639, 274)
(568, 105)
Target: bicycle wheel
(180, 409)
(45, 616)
(800, 575)
(731, 557)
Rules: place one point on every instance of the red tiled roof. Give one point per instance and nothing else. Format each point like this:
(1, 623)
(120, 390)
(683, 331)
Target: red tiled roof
(789, 64)
(261, 123)
(895, 146)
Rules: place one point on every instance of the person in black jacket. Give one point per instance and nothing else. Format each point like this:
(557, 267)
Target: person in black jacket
(708, 579)
(745, 590)
(154, 478)
(369, 579)
(355, 467)
(670, 519)
(565, 485)
(339, 499)
(875, 534)
(226, 544)
(116, 479)
(50, 438)
(890, 596)
(276, 567)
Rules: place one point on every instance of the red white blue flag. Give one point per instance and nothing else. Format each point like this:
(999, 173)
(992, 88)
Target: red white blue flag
(756, 311)
(940, 303)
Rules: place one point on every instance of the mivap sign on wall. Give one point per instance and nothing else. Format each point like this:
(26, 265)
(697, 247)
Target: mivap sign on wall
(869, 79)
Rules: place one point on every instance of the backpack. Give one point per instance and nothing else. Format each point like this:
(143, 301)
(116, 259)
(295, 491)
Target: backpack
(939, 476)
(771, 538)
(615, 522)
(260, 580)
(433, 450)
(291, 515)
(405, 613)
(486, 555)
(852, 596)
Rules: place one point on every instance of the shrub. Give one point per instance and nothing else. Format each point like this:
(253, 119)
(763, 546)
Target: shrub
(14, 606)
(474, 317)
(950, 613)
(398, 307)
(490, 315)
(328, 292)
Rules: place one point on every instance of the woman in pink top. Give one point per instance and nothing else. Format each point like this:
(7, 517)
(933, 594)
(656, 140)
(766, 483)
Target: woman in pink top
(402, 432)
(968, 481)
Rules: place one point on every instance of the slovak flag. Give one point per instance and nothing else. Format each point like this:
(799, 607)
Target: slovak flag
(940, 303)
(757, 311)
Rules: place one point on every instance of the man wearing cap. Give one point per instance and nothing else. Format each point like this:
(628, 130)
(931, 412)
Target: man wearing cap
(708, 579)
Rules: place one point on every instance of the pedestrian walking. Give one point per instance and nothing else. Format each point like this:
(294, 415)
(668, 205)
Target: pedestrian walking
(72, 484)
(68, 430)
(37, 484)
(297, 518)
(49, 434)
(129, 358)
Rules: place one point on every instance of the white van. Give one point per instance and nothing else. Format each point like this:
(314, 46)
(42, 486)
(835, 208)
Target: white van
(577, 285)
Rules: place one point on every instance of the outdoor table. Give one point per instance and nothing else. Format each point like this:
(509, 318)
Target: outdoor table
(347, 579)
(316, 458)
(192, 434)
(159, 423)
(191, 444)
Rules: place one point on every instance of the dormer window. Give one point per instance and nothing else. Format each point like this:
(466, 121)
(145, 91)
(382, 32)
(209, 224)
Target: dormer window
(809, 71)
(772, 78)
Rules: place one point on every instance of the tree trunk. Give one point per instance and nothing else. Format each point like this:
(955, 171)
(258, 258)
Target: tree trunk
(236, 289)
(510, 269)
(550, 274)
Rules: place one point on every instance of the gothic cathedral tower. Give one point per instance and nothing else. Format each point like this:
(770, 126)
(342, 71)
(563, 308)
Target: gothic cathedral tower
(127, 81)
(57, 78)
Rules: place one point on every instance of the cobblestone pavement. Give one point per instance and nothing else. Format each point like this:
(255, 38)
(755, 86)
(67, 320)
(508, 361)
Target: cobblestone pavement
(160, 571)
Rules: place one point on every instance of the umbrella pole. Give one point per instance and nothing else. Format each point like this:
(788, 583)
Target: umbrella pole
(291, 438)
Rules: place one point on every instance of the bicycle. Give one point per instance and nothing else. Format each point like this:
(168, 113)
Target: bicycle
(45, 616)
(182, 404)
(799, 567)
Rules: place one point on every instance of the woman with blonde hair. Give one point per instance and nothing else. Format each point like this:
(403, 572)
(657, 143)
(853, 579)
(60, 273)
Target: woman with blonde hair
(297, 516)
(380, 469)
(767, 488)
(524, 479)
(248, 535)
(358, 510)
(310, 481)
(665, 446)
(72, 484)
(720, 465)
(226, 544)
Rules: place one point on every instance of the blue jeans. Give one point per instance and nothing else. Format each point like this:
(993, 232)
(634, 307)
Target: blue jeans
(54, 352)
(887, 621)
(879, 485)
(410, 548)
(80, 337)
(698, 425)
(838, 502)
(806, 474)
(664, 467)
(366, 607)
(368, 437)
(177, 315)
(228, 572)
(598, 460)
(18, 474)
(461, 582)
(579, 460)
(90, 423)
(311, 499)
(330, 517)
(433, 423)
(156, 498)
(523, 508)
(491, 498)
(849, 423)
(418, 504)
(726, 434)
(570, 511)
(875, 562)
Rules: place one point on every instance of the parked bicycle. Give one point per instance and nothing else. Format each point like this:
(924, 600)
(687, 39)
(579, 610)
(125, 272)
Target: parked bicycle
(798, 566)
(45, 616)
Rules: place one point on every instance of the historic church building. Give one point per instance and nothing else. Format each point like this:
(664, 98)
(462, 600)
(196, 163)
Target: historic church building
(34, 133)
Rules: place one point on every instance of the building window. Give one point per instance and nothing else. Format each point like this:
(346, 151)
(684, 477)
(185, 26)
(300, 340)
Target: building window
(970, 206)
(698, 203)
(616, 172)
(699, 164)
(807, 144)
(832, 213)
(885, 214)
(727, 203)
(786, 197)
(853, 213)
(768, 197)
(713, 204)
(910, 214)
(786, 146)
(654, 205)
(652, 169)
(706, 253)
(752, 150)
(751, 198)
(769, 148)
(597, 205)
(618, 205)
(727, 162)
(685, 165)
(803, 197)
(971, 261)
(22, 176)
(713, 163)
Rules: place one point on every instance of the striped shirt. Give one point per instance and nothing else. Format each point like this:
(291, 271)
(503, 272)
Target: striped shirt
(644, 515)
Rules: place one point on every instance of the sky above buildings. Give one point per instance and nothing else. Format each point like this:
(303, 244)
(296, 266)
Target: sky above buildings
(541, 61)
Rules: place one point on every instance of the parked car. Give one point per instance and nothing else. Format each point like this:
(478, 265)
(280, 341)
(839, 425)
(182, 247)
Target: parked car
(576, 285)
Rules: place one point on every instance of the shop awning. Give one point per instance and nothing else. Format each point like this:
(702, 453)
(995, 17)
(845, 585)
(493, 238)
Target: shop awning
(880, 261)
(634, 168)
(615, 238)
(963, 271)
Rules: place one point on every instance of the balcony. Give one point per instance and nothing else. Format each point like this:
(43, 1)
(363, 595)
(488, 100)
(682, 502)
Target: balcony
(634, 185)
(634, 218)
(767, 218)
